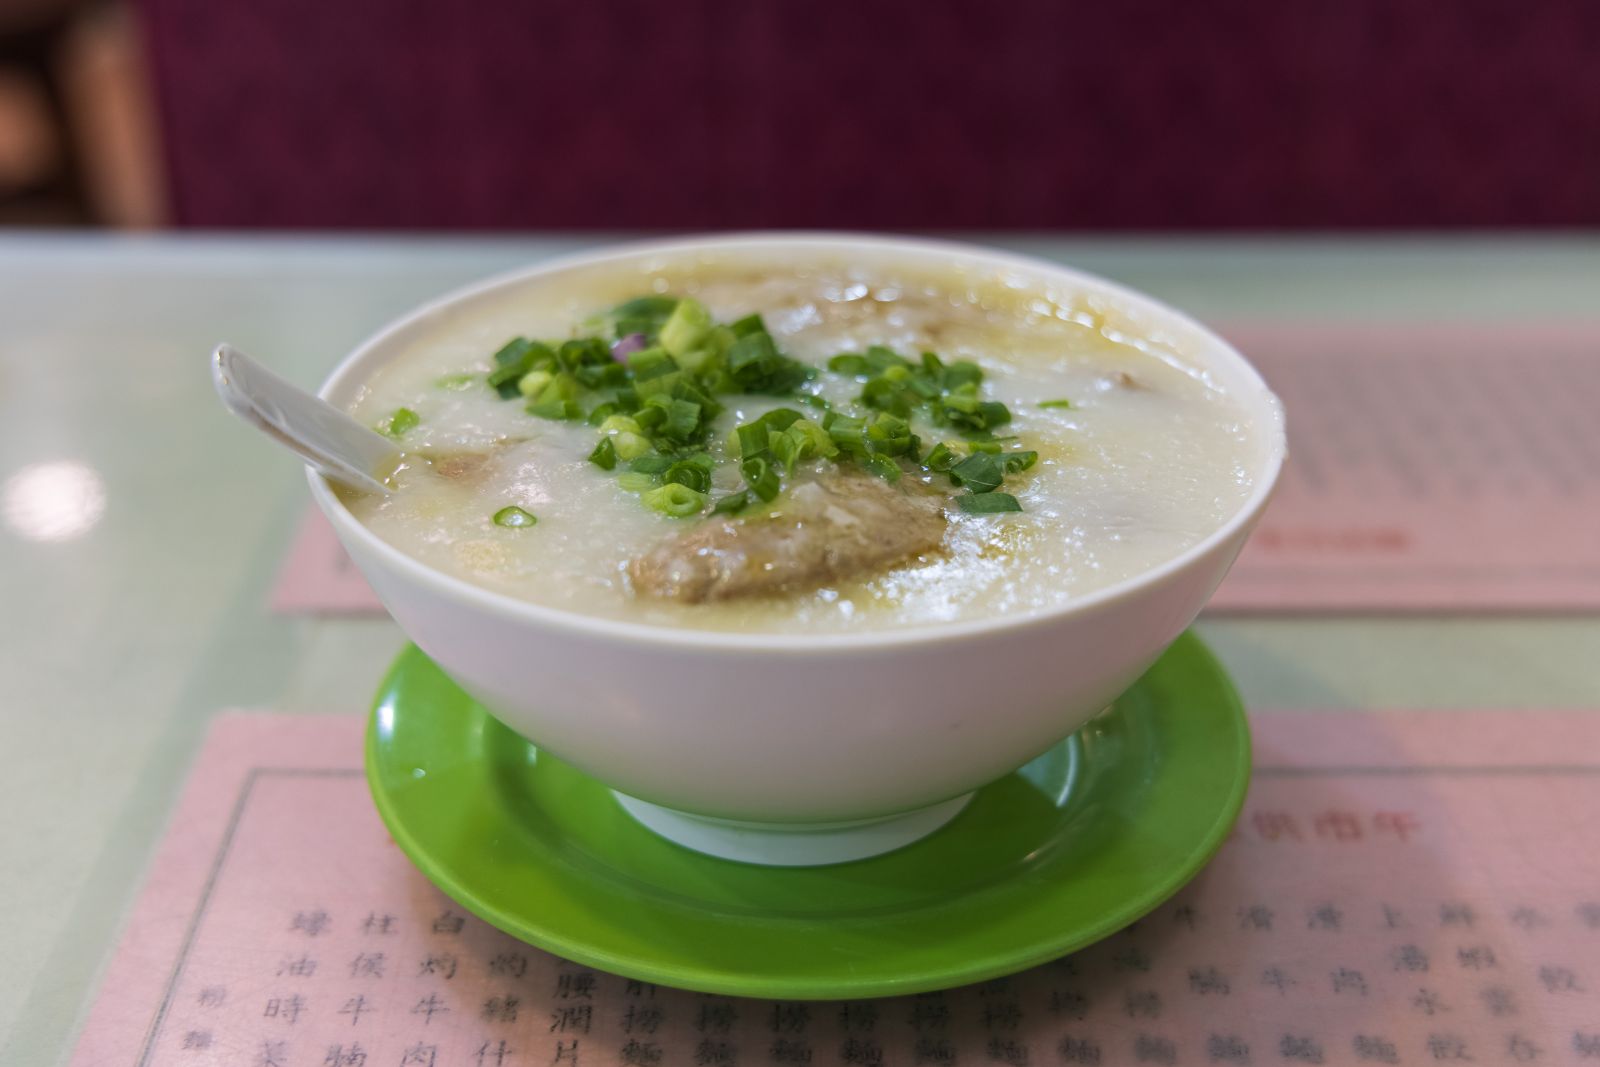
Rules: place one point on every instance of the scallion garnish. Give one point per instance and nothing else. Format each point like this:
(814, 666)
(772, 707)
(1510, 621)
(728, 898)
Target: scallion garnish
(643, 314)
(883, 467)
(1064, 404)
(514, 360)
(636, 481)
(941, 459)
(534, 382)
(513, 516)
(732, 504)
(760, 476)
(987, 503)
(604, 455)
(675, 499)
(653, 395)
(693, 471)
(456, 382)
(981, 472)
(402, 421)
(1016, 462)
(653, 464)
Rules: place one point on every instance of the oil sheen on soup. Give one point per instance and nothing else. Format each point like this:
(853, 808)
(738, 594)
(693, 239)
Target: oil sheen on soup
(798, 446)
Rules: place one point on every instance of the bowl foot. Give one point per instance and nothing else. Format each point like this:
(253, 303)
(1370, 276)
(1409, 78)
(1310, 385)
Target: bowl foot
(796, 844)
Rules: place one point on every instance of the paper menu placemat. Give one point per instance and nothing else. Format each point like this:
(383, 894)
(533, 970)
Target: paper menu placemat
(1432, 468)
(318, 577)
(1403, 888)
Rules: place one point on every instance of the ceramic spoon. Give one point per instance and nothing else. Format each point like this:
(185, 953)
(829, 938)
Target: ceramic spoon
(313, 429)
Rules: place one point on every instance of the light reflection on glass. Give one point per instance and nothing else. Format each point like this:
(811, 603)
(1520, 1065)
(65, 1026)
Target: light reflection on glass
(53, 501)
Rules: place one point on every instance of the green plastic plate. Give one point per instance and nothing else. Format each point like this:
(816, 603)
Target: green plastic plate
(1070, 848)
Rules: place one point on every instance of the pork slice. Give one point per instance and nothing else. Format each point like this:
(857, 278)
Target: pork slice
(844, 525)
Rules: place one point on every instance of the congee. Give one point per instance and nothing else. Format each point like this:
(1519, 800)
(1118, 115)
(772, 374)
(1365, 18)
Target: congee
(804, 444)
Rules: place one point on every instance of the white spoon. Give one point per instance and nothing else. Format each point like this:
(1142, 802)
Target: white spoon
(313, 429)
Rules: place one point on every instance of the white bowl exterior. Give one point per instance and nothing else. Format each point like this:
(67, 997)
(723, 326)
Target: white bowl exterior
(774, 735)
(787, 729)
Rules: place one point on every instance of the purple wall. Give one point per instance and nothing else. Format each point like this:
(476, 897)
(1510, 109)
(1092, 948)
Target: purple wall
(879, 113)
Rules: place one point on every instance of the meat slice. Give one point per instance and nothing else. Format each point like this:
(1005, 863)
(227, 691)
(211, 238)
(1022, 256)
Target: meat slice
(841, 526)
(461, 466)
(468, 466)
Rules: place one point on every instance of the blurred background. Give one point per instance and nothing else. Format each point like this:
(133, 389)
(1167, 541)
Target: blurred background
(889, 114)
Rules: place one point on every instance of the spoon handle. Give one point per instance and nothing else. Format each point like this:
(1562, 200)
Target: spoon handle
(316, 431)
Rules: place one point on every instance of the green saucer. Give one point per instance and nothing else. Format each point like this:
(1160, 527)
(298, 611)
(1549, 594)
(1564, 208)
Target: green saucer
(1073, 847)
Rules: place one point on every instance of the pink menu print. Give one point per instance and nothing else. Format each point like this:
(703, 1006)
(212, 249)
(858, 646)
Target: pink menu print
(318, 577)
(1402, 889)
(1431, 468)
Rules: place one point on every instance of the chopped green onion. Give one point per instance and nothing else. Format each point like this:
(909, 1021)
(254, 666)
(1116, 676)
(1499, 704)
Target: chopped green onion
(786, 450)
(1016, 462)
(556, 409)
(584, 352)
(650, 418)
(780, 418)
(987, 503)
(941, 459)
(601, 375)
(398, 424)
(994, 413)
(687, 328)
(654, 464)
(980, 472)
(845, 432)
(651, 363)
(532, 384)
(513, 516)
(756, 366)
(655, 408)
(888, 435)
(456, 382)
(807, 430)
(963, 409)
(876, 361)
(961, 373)
(732, 504)
(604, 455)
(631, 446)
(760, 476)
(675, 499)
(643, 314)
(636, 481)
(885, 394)
(516, 358)
(883, 467)
(748, 439)
(556, 398)
(693, 472)
(683, 418)
(513, 352)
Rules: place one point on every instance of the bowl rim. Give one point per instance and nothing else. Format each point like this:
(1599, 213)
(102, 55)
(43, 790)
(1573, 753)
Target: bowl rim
(476, 597)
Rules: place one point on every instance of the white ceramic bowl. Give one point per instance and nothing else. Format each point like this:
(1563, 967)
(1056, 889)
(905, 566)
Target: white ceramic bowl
(804, 733)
